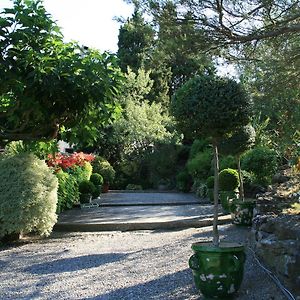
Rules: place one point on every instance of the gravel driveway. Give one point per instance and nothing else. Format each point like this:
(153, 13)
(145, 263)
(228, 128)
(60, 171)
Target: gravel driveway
(118, 265)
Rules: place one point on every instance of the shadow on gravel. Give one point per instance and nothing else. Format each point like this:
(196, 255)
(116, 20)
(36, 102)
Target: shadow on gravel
(172, 286)
(74, 263)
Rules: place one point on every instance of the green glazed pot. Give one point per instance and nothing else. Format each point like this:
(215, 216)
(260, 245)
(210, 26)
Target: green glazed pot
(226, 198)
(242, 212)
(218, 271)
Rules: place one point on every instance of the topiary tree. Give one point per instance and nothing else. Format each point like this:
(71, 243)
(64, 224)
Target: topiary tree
(28, 196)
(211, 106)
(228, 180)
(237, 144)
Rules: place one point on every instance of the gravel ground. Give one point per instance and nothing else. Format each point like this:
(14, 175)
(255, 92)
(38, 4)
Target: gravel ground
(118, 265)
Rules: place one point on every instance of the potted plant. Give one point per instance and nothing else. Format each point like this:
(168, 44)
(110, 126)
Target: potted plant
(86, 190)
(212, 107)
(229, 183)
(97, 180)
(236, 144)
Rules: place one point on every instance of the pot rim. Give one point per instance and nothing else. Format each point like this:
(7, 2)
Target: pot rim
(223, 247)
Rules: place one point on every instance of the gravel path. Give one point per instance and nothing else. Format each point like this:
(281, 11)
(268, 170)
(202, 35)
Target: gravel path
(118, 265)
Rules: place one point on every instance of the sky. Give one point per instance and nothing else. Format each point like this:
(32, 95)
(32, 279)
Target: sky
(90, 22)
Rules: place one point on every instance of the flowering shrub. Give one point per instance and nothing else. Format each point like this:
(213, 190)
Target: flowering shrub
(63, 161)
(70, 170)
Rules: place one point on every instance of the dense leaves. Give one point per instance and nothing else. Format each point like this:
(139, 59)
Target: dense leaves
(210, 106)
(46, 83)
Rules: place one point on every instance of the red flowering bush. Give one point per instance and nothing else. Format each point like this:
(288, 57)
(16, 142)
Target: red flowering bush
(64, 161)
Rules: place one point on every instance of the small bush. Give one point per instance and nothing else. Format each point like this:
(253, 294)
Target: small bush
(200, 166)
(68, 193)
(28, 195)
(183, 181)
(262, 162)
(210, 181)
(228, 180)
(104, 168)
(81, 173)
(86, 187)
(96, 179)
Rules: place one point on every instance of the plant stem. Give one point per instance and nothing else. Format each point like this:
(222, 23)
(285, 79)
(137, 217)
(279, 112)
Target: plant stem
(216, 238)
(240, 179)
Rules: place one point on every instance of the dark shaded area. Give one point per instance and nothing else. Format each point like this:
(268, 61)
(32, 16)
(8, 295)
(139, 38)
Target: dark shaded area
(75, 263)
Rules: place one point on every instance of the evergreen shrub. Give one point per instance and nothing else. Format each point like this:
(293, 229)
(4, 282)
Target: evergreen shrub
(96, 179)
(183, 181)
(262, 162)
(228, 180)
(86, 187)
(201, 165)
(68, 193)
(28, 195)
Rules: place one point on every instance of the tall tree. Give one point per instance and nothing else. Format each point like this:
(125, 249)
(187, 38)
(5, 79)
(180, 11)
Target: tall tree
(136, 40)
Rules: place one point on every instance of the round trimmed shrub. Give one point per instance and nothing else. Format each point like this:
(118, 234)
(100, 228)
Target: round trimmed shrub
(262, 162)
(228, 180)
(28, 196)
(86, 187)
(104, 168)
(96, 179)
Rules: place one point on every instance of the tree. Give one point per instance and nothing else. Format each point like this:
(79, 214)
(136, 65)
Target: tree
(135, 42)
(47, 84)
(211, 106)
(236, 144)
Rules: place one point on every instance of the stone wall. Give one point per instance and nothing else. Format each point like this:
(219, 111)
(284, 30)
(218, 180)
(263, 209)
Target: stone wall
(276, 240)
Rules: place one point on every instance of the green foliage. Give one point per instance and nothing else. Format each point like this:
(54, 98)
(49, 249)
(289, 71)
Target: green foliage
(104, 168)
(262, 162)
(135, 40)
(46, 84)
(200, 188)
(210, 106)
(198, 146)
(96, 179)
(86, 187)
(82, 173)
(248, 180)
(210, 181)
(68, 193)
(28, 195)
(239, 142)
(39, 149)
(200, 166)
(229, 180)
(228, 161)
(183, 181)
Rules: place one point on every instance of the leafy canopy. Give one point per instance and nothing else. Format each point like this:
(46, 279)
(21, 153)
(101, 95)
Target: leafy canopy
(210, 106)
(46, 83)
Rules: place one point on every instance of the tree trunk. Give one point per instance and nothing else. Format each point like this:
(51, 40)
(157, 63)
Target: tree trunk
(216, 239)
(240, 179)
